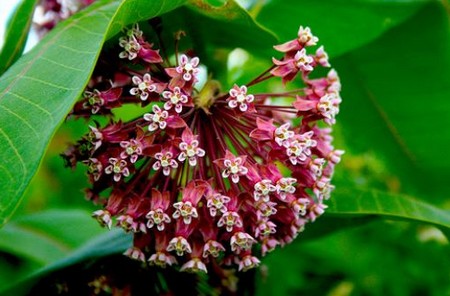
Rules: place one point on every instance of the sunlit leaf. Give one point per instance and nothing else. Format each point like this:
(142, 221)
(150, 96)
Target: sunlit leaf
(38, 91)
(354, 202)
(16, 34)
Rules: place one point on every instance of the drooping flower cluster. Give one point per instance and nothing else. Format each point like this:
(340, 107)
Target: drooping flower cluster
(203, 176)
(48, 13)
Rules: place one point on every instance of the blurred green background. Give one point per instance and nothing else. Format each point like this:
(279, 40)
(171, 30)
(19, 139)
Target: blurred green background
(393, 58)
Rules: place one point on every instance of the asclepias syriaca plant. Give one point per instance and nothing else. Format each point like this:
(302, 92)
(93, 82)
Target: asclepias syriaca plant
(207, 176)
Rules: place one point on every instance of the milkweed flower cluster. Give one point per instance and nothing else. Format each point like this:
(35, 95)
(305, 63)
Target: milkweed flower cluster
(49, 13)
(207, 177)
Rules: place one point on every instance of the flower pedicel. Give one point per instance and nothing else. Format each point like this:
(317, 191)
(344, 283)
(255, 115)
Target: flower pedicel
(203, 177)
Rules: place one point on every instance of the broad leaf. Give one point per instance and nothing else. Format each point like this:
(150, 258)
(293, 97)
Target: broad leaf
(328, 224)
(53, 235)
(38, 91)
(342, 25)
(16, 34)
(354, 202)
(227, 25)
(400, 87)
(109, 243)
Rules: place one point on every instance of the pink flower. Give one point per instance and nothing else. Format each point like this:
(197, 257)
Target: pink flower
(212, 248)
(100, 102)
(321, 57)
(194, 265)
(175, 99)
(304, 38)
(49, 13)
(180, 245)
(135, 253)
(289, 67)
(135, 46)
(241, 241)
(248, 262)
(165, 160)
(157, 119)
(161, 257)
(265, 130)
(157, 214)
(185, 74)
(146, 86)
(103, 217)
(231, 220)
(263, 189)
(239, 97)
(232, 166)
(117, 167)
(192, 194)
(189, 148)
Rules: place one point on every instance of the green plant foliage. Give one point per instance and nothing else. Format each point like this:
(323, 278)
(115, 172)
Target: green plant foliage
(97, 246)
(379, 258)
(343, 25)
(16, 34)
(51, 241)
(393, 58)
(39, 90)
(219, 25)
(356, 202)
(402, 98)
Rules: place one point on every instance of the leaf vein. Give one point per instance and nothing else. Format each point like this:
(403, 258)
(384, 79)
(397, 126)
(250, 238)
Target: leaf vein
(3, 168)
(32, 103)
(76, 50)
(21, 119)
(87, 30)
(16, 152)
(48, 83)
(61, 65)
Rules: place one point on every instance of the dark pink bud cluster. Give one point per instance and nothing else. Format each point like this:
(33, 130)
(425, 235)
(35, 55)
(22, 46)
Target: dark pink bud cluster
(49, 13)
(203, 176)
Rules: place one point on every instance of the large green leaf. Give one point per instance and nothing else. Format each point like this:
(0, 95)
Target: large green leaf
(400, 87)
(227, 25)
(16, 34)
(329, 224)
(38, 91)
(112, 242)
(355, 202)
(52, 234)
(341, 25)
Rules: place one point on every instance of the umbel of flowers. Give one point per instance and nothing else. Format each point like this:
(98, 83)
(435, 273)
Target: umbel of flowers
(205, 177)
(49, 13)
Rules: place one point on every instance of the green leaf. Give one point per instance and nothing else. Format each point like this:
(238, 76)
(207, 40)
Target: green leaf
(53, 235)
(400, 87)
(354, 202)
(16, 34)
(328, 224)
(341, 25)
(112, 242)
(227, 25)
(38, 91)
